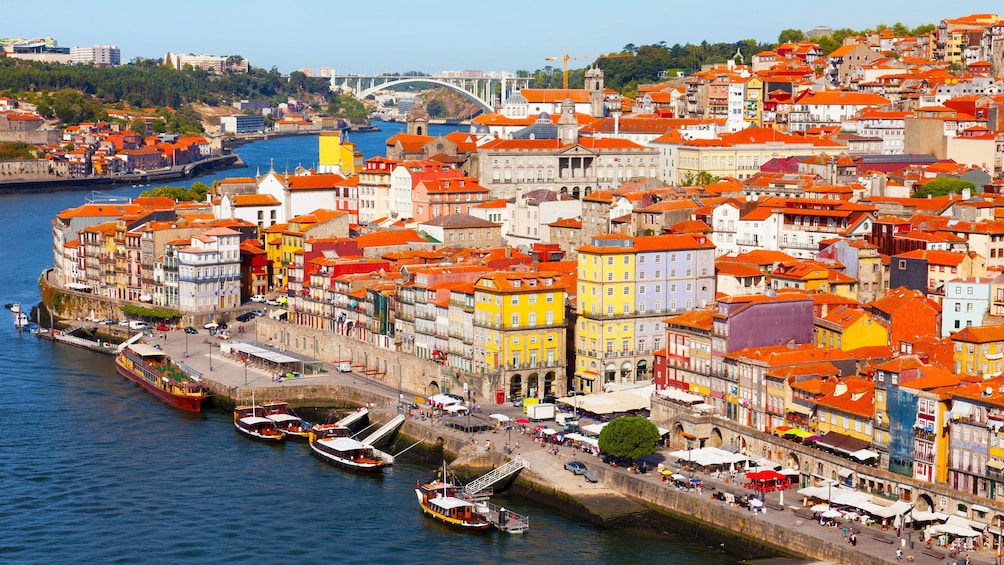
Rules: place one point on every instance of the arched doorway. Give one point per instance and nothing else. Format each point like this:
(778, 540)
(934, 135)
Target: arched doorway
(642, 370)
(549, 383)
(792, 461)
(575, 193)
(677, 438)
(563, 190)
(716, 438)
(588, 191)
(740, 443)
(533, 385)
(432, 388)
(515, 387)
(626, 371)
(924, 503)
(609, 373)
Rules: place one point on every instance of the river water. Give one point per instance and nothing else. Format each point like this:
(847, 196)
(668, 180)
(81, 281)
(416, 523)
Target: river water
(94, 470)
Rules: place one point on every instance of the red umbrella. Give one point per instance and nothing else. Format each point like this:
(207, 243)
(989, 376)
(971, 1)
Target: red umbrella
(522, 421)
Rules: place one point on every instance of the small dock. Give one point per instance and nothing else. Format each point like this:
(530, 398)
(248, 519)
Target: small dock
(502, 519)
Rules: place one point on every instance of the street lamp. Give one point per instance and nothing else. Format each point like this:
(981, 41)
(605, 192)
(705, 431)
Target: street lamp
(210, 356)
(245, 371)
(186, 343)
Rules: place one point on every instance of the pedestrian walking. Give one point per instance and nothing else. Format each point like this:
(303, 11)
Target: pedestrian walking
(899, 555)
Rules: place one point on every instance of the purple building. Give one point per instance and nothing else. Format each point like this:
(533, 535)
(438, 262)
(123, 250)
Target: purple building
(754, 321)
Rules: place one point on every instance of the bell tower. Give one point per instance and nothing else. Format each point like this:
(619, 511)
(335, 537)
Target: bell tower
(568, 125)
(597, 96)
(418, 120)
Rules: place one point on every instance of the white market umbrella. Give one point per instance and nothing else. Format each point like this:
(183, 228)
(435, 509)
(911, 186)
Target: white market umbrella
(756, 502)
(820, 508)
(832, 514)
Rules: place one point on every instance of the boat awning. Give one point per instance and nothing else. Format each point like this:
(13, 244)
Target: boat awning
(144, 350)
(252, 420)
(282, 418)
(343, 443)
(448, 502)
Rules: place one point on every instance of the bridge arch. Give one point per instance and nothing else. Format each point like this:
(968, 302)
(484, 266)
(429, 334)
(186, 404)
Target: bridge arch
(484, 104)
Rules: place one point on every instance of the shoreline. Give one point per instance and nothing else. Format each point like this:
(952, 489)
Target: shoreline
(59, 184)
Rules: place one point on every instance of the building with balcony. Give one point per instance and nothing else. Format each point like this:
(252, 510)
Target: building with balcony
(627, 286)
(520, 333)
(209, 272)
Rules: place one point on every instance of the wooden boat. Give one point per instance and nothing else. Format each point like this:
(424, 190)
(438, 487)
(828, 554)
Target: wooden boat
(335, 445)
(288, 423)
(441, 500)
(154, 370)
(248, 421)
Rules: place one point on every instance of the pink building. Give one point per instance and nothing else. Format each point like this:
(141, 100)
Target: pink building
(433, 198)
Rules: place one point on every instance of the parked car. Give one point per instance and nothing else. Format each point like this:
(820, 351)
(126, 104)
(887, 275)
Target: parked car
(210, 326)
(191, 330)
(518, 403)
(138, 325)
(124, 323)
(272, 302)
(162, 327)
(258, 312)
(246, 316)
(258, 298)
(109, 321)
(550, 399)
(344, 367)
(576, 467)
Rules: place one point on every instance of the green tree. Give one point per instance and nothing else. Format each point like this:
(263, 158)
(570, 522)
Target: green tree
(139, 126)
(791, 36)
(940, 186)
(629, 436)
(435, 108)
(702, 178)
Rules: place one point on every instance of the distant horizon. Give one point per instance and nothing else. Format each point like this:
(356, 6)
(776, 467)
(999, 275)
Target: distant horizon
(391, 38)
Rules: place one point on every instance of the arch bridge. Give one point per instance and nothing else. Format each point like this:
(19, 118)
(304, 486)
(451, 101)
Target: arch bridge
(486, 91)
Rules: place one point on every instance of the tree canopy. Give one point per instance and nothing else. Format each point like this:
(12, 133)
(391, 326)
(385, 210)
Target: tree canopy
(940, 186)
(196, 193)
(629, 436)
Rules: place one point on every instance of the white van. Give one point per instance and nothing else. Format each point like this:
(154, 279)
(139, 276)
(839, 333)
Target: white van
(344, 367)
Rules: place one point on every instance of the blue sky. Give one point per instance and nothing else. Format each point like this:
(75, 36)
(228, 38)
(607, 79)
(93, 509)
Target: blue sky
(365, 37)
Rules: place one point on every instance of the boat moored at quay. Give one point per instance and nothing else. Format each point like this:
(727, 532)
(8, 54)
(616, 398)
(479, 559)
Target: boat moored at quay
(334, 444)
(156, 372)
(248, 422)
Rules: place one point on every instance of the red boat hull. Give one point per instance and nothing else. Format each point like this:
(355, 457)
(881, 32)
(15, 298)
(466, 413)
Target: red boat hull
(186, 403)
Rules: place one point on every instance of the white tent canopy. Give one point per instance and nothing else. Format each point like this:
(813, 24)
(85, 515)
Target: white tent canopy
(857, 499)
(499, 417)
(680, 396)
(707, 456)
(455, 408)
(612, 402)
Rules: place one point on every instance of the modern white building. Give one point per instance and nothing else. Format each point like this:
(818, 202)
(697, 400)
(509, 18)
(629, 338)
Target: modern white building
(97, 55)
(966, 301)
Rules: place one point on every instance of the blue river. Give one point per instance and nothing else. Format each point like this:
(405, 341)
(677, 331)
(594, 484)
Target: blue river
(92, 470)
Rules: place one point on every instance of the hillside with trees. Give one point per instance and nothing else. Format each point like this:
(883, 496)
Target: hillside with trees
(658, 62)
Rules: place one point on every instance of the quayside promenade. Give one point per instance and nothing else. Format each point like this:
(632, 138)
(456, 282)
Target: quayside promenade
(617, 496)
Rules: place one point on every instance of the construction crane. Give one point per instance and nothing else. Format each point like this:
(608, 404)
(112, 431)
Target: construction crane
(566, 57)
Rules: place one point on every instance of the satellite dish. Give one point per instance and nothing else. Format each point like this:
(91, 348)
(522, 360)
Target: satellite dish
(990, 391)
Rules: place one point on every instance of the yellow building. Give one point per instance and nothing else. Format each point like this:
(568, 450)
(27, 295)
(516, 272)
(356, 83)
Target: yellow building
(737, 155)
(850, 328)
(626, 287)
(337, 156)
(978, 350)
(753, 102)
(847, 411)
(520, 334)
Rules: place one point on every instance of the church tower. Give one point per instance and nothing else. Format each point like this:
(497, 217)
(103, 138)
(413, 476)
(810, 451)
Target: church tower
(568, 125)
(597, 97)
(418, 120)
